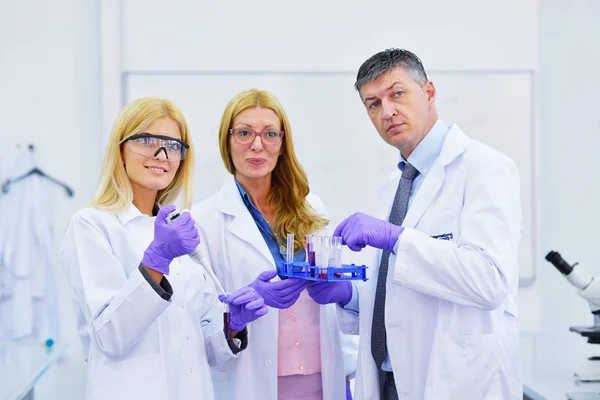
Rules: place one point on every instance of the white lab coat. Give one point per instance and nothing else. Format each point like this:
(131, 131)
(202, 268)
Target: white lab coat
(28, 297)
(238, 253)
(137, 345)
(450, 312)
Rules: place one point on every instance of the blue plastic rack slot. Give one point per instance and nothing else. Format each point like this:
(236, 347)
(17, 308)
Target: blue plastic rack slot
(303, 270)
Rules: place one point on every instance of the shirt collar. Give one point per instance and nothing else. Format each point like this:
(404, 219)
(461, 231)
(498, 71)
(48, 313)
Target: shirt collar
(428, 150)
(245, 196)
(132, 212)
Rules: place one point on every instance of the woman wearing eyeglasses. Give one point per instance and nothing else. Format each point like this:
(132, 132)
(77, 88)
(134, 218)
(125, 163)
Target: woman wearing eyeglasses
(299, 352)
(148, 319)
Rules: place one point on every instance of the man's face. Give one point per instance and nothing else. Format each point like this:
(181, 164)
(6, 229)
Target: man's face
(401, 109)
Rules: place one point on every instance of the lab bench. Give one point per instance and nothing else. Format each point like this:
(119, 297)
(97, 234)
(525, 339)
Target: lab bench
(22, 365)
(549, 362)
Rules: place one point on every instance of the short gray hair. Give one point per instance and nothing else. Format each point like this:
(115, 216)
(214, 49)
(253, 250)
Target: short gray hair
(386, 60)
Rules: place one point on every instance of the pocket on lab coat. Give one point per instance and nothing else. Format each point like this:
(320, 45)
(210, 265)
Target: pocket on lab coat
(465, 366)
(133, 378)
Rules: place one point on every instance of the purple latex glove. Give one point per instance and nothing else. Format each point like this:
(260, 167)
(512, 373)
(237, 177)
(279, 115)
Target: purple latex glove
(245, 305)
(360, 230)
(278, 294)
(330, 292)
(170, 240)
(348, 391)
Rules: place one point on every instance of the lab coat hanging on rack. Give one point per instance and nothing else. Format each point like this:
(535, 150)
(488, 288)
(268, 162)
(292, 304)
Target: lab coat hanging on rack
(28, 302)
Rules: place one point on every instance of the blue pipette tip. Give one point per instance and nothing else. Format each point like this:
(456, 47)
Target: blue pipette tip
(49, 342)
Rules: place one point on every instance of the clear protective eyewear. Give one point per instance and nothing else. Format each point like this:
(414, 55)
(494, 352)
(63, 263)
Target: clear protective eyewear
(269, 136)
(150, 145)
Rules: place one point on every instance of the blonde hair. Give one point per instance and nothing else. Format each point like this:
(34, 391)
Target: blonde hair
(115, 192)
(289, 183)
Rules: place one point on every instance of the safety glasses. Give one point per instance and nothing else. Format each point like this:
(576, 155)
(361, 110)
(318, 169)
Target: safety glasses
(150, 146)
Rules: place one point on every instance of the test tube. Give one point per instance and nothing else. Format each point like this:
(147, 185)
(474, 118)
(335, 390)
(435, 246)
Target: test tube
(289, 250)
(226, 320)
(310, 250)
(317, 255)
(325, 255)
(336, 249)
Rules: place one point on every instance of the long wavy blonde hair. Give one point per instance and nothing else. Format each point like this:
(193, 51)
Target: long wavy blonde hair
(289, 184)
(115, 192)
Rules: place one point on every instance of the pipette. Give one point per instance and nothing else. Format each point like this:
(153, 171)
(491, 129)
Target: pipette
(198, 257)
(204, 262)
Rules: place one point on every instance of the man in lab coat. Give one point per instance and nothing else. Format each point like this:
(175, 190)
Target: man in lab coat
(438, 316)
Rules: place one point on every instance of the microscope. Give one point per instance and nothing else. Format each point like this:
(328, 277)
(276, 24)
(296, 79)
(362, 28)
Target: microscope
(588, 289)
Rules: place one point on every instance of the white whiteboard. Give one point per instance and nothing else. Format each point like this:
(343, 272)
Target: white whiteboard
(344, 157)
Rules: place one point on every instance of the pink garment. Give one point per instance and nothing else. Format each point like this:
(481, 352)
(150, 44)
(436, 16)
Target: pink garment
(299, 344)
(299, 387)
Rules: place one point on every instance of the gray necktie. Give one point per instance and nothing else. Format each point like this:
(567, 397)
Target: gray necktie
(378, 334)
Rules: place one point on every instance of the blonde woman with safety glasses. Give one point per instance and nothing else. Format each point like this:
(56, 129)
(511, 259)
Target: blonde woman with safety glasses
(148, 319)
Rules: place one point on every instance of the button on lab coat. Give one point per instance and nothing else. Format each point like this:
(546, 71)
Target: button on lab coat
(139, 346)
(238, 253)
(450, 311)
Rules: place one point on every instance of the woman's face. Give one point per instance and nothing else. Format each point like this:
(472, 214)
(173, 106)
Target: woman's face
(149, 167)
(257, 159)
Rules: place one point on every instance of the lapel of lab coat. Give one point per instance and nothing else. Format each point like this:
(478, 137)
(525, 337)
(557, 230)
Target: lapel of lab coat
(455, 143)
(242, 225)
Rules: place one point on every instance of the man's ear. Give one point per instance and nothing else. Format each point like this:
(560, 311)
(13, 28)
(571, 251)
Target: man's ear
(430, 92)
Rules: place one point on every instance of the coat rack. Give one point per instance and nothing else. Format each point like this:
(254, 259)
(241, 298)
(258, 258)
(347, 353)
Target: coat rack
(35, 171)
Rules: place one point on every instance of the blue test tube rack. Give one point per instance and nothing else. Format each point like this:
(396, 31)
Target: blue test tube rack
(304, 270)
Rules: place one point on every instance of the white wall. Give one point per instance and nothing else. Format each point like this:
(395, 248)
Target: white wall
(49, 96)
(315, 35)
(570, 131)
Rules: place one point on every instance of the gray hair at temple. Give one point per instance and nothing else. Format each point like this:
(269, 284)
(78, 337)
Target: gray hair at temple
(385, 61)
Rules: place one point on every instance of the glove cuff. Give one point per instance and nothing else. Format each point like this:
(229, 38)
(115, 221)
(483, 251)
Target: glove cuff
(394, 234)
(156, 262)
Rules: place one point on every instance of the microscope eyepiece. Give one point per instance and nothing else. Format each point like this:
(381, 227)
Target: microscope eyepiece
(556, 259)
